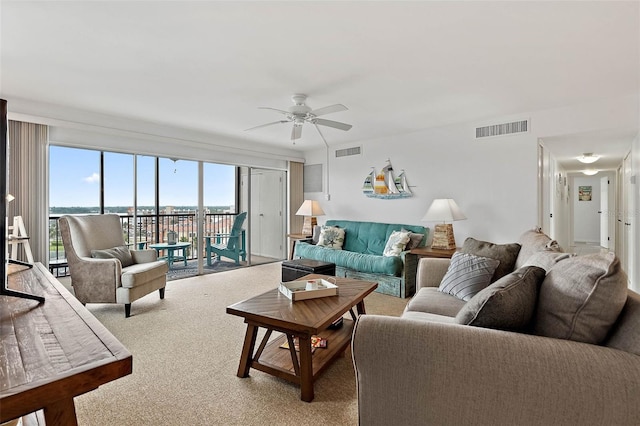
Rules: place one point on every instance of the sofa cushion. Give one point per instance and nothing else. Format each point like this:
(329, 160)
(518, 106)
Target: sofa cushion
(369, 263)
(141, 273)
(396, 243)
(467, 275)
(371, 237)
(546, 259)
(433, 301)
(507, 304)
(121, 253)
(581, 298)
(505, 253)
(534, 241)
(331, 237)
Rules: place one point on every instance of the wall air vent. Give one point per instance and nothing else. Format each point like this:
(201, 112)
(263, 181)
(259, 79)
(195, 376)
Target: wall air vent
(502, 129)
(348, 151)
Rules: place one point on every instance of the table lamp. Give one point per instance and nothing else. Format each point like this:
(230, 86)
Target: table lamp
(309, 209)
(443, 210)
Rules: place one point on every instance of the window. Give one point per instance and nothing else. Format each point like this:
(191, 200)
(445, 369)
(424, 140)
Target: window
(74, 176)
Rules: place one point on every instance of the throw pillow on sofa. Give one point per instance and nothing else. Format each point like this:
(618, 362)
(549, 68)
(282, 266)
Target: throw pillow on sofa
(396, 243)
(581, 298)
(505, 253)
(414, 239)
(121, 253)
(467, 275)
(331, 237)
(546, 259)
(507, 304)
(533, 241)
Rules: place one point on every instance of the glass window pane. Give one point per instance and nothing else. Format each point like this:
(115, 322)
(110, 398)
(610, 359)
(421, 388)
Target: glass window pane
(219, 188)
(146, 184)
(178, 185)
(74, 180)
(118, 183)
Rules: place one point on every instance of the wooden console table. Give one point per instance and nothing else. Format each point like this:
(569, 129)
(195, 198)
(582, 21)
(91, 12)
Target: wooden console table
(52, 352)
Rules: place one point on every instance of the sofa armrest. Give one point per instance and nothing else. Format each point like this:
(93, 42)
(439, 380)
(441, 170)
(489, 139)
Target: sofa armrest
(430, 272)
(144, 256)
(414, 372)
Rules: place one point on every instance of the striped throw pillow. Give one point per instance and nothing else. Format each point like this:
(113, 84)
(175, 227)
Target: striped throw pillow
(467, 275)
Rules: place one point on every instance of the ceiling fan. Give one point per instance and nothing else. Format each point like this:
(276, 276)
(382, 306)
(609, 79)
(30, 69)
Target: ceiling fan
(300, 113)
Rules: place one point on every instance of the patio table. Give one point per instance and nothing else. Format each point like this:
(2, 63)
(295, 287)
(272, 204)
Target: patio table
(171, 248)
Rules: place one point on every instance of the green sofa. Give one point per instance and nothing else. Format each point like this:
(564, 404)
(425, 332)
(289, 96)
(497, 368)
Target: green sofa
(361, 256)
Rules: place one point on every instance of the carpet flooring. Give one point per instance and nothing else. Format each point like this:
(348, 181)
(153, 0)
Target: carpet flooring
(179, 270)
(185, 358)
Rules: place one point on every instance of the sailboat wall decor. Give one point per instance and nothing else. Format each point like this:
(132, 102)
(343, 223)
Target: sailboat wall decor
(385, 185)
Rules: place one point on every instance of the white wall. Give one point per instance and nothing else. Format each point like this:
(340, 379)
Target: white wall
(492, 180)
(586, 220)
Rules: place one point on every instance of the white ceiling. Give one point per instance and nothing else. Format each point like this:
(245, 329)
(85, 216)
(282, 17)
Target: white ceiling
(398, 66)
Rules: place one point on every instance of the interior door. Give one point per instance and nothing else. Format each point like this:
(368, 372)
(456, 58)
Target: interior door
(270, 213)
(604, 212)
(267, 231)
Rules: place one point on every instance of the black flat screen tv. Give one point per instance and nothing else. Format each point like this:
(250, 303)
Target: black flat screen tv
(4, 179)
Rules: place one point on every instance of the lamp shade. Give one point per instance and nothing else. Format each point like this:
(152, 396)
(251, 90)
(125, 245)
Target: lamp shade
(443, 210)
(310, 208)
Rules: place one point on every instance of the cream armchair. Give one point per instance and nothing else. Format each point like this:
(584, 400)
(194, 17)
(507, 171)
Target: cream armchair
(96, 253)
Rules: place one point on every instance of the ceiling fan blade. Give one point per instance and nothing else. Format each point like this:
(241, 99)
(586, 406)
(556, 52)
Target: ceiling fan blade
(268, 124)
(281, 111)
(296, 132)
(334, 124)
(329, 109)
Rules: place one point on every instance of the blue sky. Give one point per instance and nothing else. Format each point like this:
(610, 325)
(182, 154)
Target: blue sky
(75, 180)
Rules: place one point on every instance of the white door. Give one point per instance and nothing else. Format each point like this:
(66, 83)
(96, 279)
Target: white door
(270, 213)
(267, 206)
(604, 212)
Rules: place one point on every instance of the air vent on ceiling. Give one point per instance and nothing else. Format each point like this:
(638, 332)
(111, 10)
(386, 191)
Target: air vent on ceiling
(502, 129)
(348, 151)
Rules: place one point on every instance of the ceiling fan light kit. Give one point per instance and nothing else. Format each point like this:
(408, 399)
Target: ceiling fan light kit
(300, 113)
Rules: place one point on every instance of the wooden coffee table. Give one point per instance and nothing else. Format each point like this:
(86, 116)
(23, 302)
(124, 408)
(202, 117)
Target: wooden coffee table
(274, 311)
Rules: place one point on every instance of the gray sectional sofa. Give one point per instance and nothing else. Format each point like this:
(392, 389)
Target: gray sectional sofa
(361, 255)
(554, 342)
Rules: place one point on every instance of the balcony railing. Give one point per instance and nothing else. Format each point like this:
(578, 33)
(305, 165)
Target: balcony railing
(150, 229)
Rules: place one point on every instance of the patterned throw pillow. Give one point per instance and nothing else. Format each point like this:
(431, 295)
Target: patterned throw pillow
(507, 304)
(331, 237)
(467, 275)
(121, 253)
(396, 243)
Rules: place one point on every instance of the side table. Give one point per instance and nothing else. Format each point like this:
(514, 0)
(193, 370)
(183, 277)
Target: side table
(293, 238)
(431, 252)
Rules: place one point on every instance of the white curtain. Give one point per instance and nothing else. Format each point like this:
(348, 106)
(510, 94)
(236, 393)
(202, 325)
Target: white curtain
(28, 183)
